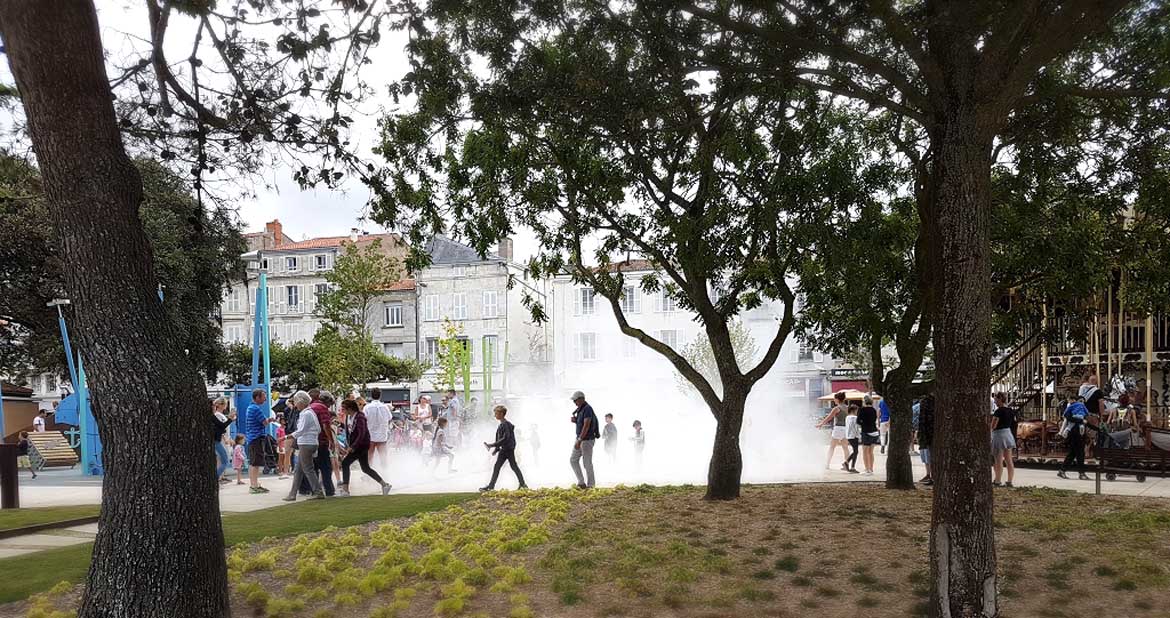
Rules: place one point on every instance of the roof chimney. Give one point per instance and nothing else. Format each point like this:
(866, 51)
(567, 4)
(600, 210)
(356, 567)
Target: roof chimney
(353, 234)
(273, 230)
(505, 249)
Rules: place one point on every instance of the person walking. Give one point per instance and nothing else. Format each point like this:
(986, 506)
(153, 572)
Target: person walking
(1003, 439)
(853, 436)
(377, 417)
(836, 417)
(439, 446)
(610, 435)
(219, 424)
(454, 417)
(884, 422)
(22, 458)
(423, 414)
(306, 439)
(505, 449)
(1073, 430)
(326, 440)
(925, 431)
(867, 418)
(639, 439)
(358, 447)
(587, 433)
(256, 421)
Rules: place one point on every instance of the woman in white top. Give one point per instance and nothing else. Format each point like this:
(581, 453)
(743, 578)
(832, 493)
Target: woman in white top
(836, 417)
(308, 428)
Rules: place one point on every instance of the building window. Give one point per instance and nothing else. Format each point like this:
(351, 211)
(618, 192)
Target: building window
(805, 354)
(394, 350)
(233, 300)
(459, 306)
(669, 337)
(431, 351)
(293, 292)
(430, 307)
(393, 313)
(271, 301)
(491, 304)
(459, 271)
(292, 264)
(586, 346)
(629, 347)
(491, 349)
(666, 302)
(322, 261)
(263, 263)
(585, 301)
(631, 300)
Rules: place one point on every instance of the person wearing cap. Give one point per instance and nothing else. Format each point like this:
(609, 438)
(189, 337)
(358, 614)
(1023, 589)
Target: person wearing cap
(587, 432)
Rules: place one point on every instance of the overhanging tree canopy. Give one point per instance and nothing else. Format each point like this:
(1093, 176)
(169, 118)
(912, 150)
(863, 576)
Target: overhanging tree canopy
(608, 140)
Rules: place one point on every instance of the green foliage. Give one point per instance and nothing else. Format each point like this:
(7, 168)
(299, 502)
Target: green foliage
(699, 354)
(195, 247)
(454, 355)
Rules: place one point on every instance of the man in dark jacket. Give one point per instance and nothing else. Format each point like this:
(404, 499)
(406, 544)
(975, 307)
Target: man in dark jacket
(326, 441)
(505, 449)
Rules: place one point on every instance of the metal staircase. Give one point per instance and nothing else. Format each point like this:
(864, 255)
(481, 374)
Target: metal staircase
(1021, 373)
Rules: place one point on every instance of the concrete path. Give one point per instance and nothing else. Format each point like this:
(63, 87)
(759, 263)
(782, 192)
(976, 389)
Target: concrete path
(48, 539)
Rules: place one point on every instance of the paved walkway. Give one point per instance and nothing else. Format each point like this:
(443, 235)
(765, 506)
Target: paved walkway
(68, 487)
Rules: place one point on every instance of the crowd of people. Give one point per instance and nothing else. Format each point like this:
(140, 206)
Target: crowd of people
(316, 440)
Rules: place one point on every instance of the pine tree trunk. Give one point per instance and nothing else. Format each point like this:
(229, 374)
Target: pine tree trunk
(962, 541)
(899, 472)
(159, 549)
(726, 468)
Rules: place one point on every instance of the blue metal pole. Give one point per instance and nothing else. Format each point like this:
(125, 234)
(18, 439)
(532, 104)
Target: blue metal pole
(267, 353)
(68, 349)
(83, 420)
(257, 326)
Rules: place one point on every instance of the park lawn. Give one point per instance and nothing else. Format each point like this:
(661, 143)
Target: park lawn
(23, 576)
(20, 518)
(822, 550)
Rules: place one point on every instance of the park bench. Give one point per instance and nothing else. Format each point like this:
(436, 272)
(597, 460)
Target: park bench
(1139, 462)
(50, 449)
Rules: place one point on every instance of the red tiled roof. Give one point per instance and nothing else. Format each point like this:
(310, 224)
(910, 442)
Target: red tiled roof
(334, 241)
(13, 390)
(404, 285)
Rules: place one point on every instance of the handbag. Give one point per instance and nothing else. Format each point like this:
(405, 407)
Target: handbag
(1064, 427)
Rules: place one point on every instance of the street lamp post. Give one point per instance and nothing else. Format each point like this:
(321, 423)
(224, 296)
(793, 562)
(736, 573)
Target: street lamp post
(3, 429)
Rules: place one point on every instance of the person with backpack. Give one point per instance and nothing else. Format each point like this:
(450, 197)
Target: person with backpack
(1073, 430)
(588, 430)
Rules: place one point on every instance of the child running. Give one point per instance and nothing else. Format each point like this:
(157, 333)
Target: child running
(505, 449)
(639, 440)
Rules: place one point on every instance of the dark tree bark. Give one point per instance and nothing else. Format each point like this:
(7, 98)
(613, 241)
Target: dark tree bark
(159, 549)
(962, 541)
(899, 471)
(726, 467)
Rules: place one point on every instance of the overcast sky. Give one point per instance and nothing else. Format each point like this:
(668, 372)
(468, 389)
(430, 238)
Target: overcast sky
(304, 214)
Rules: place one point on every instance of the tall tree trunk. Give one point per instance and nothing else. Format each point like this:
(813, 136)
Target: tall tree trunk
(159, 548)
(726, 468)
(962, 542)
(899, 472)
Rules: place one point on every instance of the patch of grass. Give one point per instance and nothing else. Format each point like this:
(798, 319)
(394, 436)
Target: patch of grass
(827, 592)
(802, 581)
(754, 595)
(1143, 604)
(19, 518)
(761, 551)
(1104, 571)
(1125, 584)
(868, 601)
(809, 603)
(24, 576)
(764, 574)
(788, 563)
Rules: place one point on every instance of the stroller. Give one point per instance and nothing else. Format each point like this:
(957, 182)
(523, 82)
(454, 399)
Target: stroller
(271, 457)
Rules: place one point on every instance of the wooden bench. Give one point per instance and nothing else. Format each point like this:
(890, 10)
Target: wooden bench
(50, 449)
(1139, 462)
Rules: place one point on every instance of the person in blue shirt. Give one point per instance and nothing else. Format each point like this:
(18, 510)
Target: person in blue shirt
(884, 422)
(587, 433)
(256, 420)
(1074, 418)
